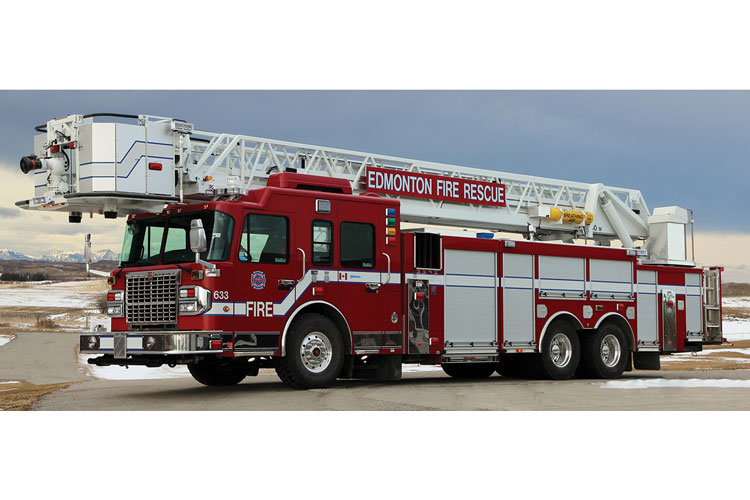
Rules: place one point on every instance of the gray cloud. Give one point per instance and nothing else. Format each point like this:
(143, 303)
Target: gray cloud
(10, 212)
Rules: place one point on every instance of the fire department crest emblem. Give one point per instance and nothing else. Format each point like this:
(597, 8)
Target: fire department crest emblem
(258, 280)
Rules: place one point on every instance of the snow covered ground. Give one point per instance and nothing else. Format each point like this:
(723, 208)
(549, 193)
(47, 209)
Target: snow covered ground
(420, 368)
(660, 383)
(736, 329)
(66, 294)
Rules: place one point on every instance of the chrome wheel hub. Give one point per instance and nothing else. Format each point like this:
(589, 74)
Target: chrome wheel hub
(315, 352)
(560, 350)
(610, 351)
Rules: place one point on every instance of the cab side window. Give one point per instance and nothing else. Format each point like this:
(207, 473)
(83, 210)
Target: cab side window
(357, 245)
(265, 239)
(322, 243)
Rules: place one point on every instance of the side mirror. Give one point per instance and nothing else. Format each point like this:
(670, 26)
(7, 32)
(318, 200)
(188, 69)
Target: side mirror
(197, 237)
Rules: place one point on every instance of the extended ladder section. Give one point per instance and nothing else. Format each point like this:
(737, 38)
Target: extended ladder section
(82, 166)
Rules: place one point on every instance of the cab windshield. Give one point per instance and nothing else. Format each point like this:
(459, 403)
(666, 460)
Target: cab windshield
(166, 239)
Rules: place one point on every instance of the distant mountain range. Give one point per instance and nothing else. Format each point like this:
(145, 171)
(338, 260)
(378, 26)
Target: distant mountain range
(60, 256)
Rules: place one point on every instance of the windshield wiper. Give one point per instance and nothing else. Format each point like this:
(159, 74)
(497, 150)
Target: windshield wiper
(184, 268)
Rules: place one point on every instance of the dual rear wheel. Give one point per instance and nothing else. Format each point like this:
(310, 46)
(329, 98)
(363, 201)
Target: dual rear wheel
(602, 353)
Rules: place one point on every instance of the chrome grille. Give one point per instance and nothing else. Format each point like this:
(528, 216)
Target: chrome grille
(151, 298)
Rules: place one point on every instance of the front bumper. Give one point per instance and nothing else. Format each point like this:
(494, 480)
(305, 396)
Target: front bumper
(122, 344)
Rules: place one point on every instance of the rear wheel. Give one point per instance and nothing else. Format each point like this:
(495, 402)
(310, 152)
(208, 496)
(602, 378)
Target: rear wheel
(314, 353)
(560, 354)
(604, 353)
(469, 370)
(223, 373)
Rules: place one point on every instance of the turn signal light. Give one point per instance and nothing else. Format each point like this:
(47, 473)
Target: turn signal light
(216, 344)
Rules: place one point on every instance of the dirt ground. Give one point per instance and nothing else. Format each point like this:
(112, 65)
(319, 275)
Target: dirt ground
(18, 395)
(712, 358)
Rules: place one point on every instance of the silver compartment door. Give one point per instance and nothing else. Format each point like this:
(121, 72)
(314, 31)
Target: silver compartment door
(470, 298)
(648, 321)
(693, 307)
(518, 300)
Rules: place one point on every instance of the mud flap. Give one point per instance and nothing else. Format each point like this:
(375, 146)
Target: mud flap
(379, 367)
(646, 361)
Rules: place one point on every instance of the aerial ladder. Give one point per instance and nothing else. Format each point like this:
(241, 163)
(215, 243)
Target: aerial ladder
(137, 163)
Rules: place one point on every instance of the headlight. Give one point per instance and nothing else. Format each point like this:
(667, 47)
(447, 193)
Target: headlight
(186, 307)
(194, 300)
(92, 342)
(149, 342)
(114, 311)
(114, 303)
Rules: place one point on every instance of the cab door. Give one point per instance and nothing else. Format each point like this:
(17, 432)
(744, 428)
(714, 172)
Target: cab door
(266, 275)
(359, 279)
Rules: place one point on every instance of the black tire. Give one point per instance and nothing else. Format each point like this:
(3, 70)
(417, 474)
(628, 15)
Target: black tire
(469, 370)
(597, 361)
(560, 354)
(223, 373)
(324, 361)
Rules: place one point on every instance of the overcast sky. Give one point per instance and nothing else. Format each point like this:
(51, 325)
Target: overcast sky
(687, 148)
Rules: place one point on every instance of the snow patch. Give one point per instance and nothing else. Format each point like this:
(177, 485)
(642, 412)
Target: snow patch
(736, 329)
(735, 301)
(712, 358)
(48, 295)
(4, 339)
(131, 373)
(420, 368)
(11, 382)
(661, 383)
(709, 353)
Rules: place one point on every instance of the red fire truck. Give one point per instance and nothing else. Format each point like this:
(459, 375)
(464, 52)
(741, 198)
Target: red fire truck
(243, 253)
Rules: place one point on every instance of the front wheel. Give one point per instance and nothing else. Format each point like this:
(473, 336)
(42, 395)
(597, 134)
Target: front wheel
(560, 354)
(314, 353)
